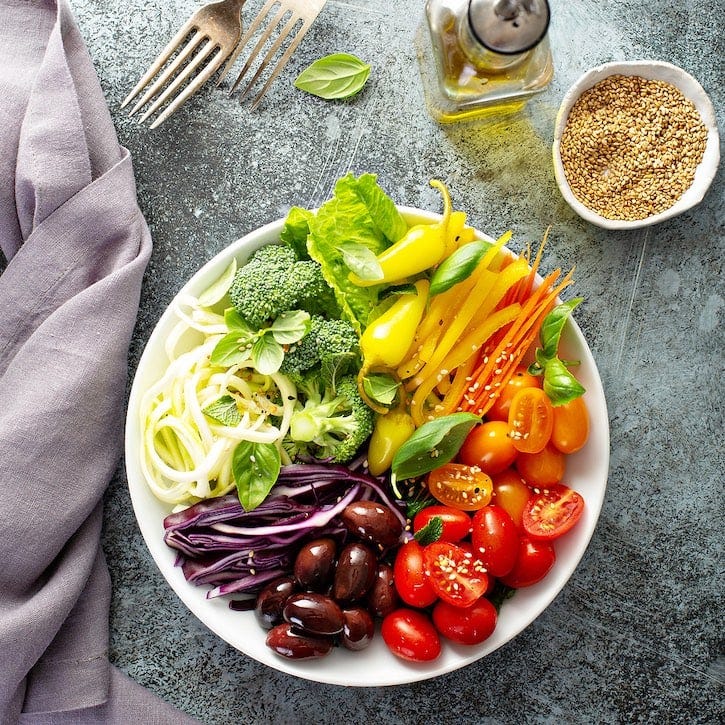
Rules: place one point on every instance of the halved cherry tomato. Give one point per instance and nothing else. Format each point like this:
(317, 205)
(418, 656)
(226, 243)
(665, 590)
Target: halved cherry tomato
(533, 563)
(489, 447)
(456, 523)
(531, 419)
(495, 540)
(571, 426)
(511, 493)
(465, 625)
(411, 581)
(456, 575)
(520, 379)
(409, 634)
(463, 487)
(551, 513)
(544, 468)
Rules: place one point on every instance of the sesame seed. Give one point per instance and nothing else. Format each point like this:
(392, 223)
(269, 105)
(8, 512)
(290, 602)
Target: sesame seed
(630, 147)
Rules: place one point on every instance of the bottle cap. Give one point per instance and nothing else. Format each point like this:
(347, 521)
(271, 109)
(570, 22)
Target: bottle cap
(508, 26)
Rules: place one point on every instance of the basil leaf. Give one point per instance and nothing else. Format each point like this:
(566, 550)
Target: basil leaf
(430, 532)
(381, 388)
(436, 442)
(458, 266)
(236, 323)
(361, 261)
(291, 327)
(256, 468)
(224, 411)
(230, 350)
(553, 325)
(559, 384)
(335, 76)
(267, 354)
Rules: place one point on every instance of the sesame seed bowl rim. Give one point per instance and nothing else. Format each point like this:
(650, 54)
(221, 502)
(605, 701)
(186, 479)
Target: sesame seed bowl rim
(649, 70)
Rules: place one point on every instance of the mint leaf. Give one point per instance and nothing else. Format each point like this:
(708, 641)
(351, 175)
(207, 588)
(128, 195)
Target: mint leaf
(224, 411)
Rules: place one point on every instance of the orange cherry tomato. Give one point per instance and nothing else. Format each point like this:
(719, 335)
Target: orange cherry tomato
(531, 420)
(511, 493)
(489, 447)
(463, 487)
(571, 426)
(544, 468)
(519, 380)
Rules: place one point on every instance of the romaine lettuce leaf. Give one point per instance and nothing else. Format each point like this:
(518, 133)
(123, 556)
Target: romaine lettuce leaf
(359, 213)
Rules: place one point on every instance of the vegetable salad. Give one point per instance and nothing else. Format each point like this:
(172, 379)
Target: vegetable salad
(358, 378)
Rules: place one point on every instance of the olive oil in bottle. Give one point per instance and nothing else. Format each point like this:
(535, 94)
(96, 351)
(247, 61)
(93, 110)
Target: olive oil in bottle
(483, 57)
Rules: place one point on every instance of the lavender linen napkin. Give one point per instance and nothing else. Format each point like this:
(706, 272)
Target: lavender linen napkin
(75, 246)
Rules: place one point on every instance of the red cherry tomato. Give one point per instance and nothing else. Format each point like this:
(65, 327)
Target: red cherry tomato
(456, 523)
(465, 625)
(571, 426)
(456, 575)
(489, 447)
(544, 468)
(410, 578)
(511, 493)
(531, 419)
(520, 379)
(533, 563)
(409, 634)
(460, 486)
(551, 513)
(495, 540)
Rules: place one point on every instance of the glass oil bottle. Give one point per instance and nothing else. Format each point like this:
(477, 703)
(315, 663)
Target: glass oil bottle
(483, 57)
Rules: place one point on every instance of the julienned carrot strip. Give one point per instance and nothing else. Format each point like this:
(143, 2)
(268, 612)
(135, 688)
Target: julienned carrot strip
(430, 383)
(512, 347)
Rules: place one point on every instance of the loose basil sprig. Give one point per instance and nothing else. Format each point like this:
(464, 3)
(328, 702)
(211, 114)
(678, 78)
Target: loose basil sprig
(436, 442)
(559, 384)
(335, 76)
(458, 266)
(264, 347)
(256, 468)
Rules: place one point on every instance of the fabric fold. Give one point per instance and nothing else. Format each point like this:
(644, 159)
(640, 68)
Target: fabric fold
(76, 246)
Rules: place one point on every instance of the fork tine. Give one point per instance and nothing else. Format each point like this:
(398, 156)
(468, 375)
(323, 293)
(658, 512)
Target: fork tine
(261, 15)
(280, 65)
(273, 49)
(165, 54)
(192, 88)
(185, 75)
(169, 72)
(260, 43)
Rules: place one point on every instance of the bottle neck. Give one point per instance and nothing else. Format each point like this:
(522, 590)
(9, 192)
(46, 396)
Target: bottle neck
(482, 57)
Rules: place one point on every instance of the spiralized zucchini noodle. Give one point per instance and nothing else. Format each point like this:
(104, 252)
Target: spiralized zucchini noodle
(187, 455)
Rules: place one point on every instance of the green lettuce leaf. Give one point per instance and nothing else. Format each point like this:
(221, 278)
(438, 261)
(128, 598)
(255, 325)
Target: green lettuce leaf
(295, 231)
(360, 213)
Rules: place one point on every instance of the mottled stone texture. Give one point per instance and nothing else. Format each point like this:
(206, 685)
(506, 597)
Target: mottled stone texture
(636, 635)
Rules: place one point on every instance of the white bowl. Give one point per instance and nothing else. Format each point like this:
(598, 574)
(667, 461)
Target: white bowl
(587, 472)
(651, 70)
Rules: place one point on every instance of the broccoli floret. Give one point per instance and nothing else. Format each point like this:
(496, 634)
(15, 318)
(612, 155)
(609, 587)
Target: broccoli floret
(330, 424)
(325, 339)
(274, 281)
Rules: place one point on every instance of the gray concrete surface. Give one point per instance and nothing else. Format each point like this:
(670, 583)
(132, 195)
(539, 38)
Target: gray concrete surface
(636, 635)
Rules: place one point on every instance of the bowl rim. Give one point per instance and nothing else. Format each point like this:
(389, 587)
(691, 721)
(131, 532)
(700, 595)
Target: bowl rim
(651, 70)
(589, 474)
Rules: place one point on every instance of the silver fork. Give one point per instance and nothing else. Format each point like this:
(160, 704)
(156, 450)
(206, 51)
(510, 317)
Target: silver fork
(215, 31)
(304, 10)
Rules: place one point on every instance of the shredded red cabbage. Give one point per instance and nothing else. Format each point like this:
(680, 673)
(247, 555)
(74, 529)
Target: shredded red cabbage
(233, 550)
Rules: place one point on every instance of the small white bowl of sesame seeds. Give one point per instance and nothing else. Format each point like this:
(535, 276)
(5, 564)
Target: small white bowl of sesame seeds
(635, 143)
